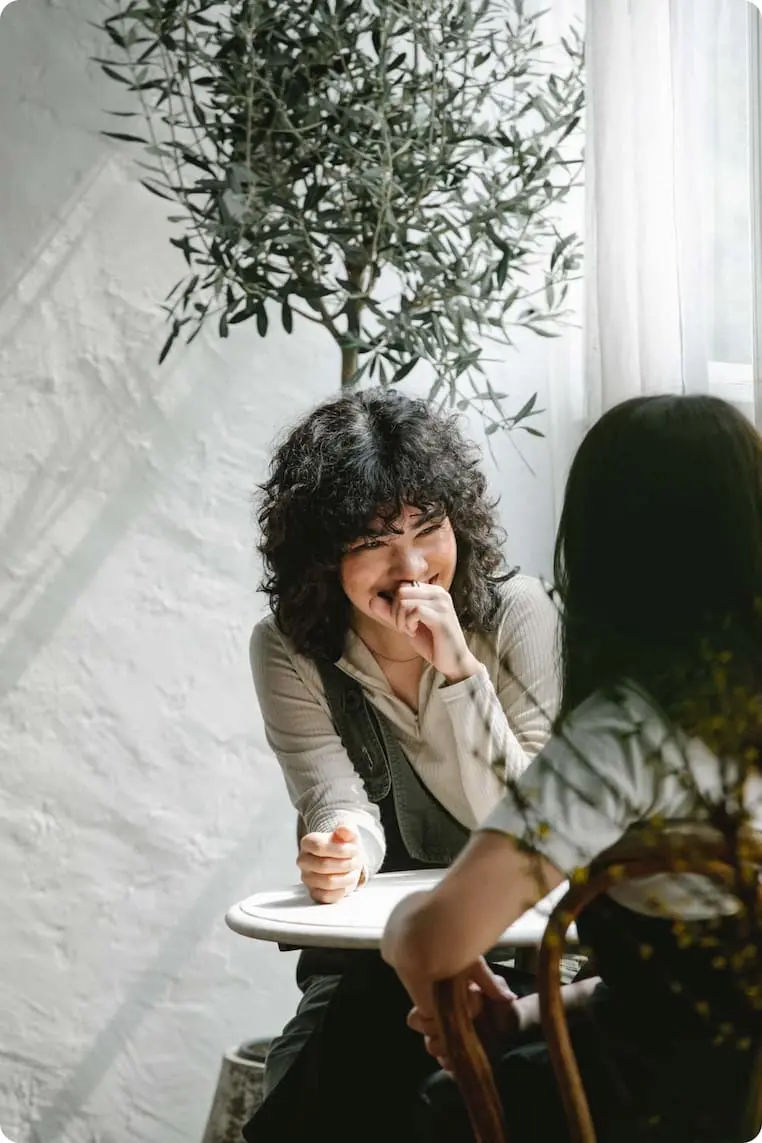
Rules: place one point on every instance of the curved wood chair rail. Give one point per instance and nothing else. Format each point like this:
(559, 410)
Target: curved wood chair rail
(470, 1065)
(676, 850)
(702, 852)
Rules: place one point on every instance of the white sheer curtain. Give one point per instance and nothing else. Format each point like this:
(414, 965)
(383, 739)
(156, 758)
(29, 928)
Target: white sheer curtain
(667, 194)
(567, 402)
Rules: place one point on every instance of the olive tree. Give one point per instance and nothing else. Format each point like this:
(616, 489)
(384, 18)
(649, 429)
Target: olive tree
(389, 169)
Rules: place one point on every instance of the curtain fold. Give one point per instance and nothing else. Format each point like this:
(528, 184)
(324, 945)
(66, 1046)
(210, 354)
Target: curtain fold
(651, 183)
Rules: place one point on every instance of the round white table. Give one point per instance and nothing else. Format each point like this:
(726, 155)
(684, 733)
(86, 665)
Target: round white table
(357, 921)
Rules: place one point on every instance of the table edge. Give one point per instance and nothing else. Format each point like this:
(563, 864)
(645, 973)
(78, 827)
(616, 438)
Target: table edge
(247, 925)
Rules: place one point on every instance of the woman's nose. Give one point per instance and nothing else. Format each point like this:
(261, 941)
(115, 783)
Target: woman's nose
(411, 563)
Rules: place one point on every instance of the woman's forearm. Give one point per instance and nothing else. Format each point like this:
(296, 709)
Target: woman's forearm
(438, 934)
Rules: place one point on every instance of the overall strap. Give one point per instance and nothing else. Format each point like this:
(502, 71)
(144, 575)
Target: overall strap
(428, 830)
(358, 728)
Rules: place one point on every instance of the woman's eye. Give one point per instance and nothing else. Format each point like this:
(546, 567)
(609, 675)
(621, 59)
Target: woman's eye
(431, 528)
(367, 546)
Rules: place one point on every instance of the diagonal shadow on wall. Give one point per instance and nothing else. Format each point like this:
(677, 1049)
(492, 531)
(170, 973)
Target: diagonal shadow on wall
(137, 432)
(166, 440)
(150, 986)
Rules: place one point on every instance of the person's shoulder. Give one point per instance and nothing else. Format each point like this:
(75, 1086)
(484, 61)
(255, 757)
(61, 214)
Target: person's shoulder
(520, 590)
(524, 601)
(273, 656)
(266, 637)
(524, 617)
(623, 710)
(270, 649)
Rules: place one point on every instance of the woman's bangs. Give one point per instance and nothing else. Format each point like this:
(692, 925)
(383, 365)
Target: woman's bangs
(376, 505)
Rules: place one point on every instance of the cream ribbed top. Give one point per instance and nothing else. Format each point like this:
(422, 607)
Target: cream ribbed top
(463, 741)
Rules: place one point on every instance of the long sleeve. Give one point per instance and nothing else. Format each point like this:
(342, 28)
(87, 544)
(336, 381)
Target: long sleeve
(499, 726)
(321, 780)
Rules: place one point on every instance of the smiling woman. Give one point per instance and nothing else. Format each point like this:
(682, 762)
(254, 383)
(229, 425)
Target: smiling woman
(403, 676)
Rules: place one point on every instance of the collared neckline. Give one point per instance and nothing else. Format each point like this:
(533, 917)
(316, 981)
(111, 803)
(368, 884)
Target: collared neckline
(360, 663)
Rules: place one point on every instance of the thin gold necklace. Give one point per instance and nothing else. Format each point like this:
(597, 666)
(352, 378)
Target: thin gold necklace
(389, 659)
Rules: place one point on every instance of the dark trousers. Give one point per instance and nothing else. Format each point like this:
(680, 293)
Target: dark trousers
(361, 1067)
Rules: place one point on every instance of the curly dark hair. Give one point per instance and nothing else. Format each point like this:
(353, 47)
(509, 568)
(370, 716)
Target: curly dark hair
(350, 461)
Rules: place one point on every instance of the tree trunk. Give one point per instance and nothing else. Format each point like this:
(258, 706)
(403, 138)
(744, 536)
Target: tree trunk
(355, 275)
(348, 365)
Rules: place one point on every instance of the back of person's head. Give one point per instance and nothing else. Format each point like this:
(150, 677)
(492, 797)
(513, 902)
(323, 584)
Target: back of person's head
(659, 550)
(360, 456)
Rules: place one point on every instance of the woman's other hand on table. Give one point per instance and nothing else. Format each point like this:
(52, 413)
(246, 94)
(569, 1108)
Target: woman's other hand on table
(331, 864)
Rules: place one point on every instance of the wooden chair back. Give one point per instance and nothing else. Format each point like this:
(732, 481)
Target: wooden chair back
(676, 850)
(470, 1065)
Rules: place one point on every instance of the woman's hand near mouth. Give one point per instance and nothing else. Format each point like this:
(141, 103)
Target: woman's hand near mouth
(424, 612)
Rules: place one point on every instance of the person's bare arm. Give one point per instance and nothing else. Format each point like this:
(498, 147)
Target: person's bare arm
(435, 935)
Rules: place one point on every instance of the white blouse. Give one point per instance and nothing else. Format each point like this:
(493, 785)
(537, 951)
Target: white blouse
(617, 763)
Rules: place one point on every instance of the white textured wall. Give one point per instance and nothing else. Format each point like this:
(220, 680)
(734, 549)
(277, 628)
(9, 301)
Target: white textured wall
(138, 798)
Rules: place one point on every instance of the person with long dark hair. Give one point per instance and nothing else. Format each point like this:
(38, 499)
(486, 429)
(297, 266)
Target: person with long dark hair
(404, 675)
(659, 572)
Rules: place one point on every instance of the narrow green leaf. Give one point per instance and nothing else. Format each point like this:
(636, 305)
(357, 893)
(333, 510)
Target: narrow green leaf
(169, 343)
(403, 370)
(114, 35)
(124, 138)
(287, 316)
(153, 190)
(113, 74)
(526, 409)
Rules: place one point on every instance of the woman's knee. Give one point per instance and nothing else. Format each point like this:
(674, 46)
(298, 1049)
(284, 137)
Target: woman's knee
(284, 1049)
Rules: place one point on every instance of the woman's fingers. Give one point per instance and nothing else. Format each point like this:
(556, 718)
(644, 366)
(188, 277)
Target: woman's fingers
(425, 614)
(400, 612)
(324, 845)
(437, 1051)
(326, 866)
(488, 982)
(327, 896)
(431, 591)
(331, 881)
(408, 617)
(315, 863)
(331, 864)
(435, 1046)
(428, 1027)
(420, 1023)
(413, 613)
(432, 1036)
